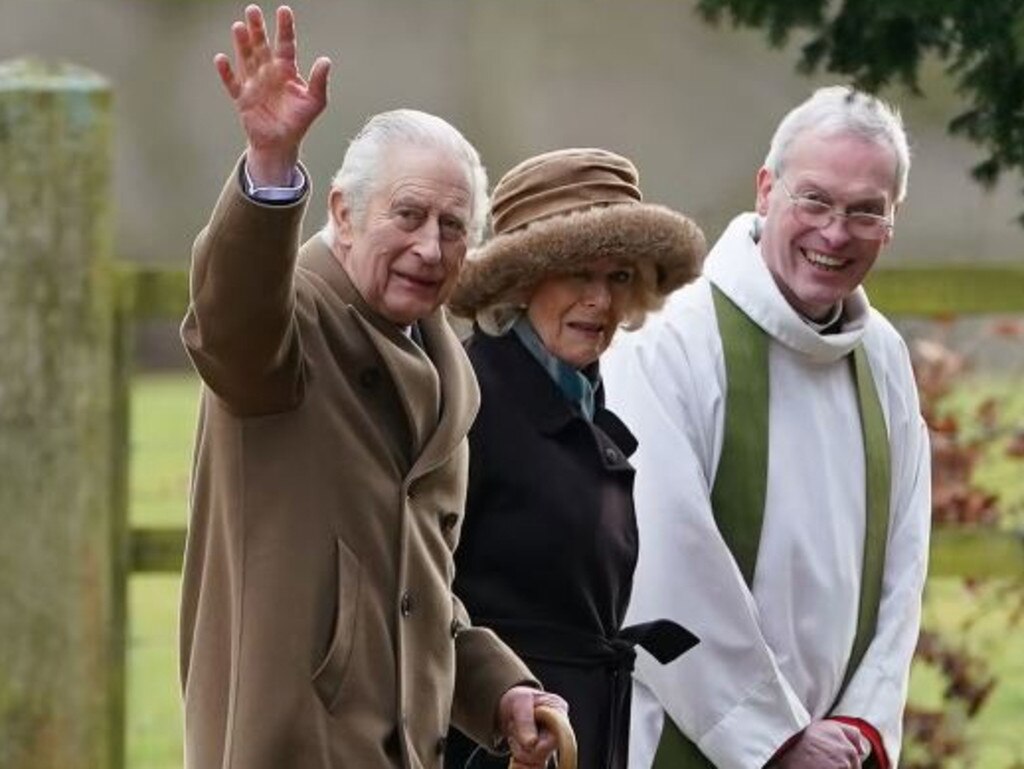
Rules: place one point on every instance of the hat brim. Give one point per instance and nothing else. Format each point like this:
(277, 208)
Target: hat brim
(510, 263)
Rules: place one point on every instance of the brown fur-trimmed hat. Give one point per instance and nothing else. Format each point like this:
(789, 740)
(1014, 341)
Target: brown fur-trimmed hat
(560, 211)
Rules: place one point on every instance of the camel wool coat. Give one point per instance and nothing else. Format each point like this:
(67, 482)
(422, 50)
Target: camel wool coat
(318, 625)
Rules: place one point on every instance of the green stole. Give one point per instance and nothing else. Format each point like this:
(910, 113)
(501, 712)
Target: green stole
(742, 477)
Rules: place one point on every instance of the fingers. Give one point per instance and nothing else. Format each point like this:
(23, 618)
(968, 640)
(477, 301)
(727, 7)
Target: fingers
(825, 745)
(227, 75)
(537, 756)
(535, 721)
(540, 750)
(865, 747)
(243, 47)
(249, 38)
(284, 39)
(523, 729)
(259, 47)
(550, 700)
(857, 739)
(318, 80)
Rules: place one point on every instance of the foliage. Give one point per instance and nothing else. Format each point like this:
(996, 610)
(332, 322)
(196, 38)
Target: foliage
(959, 446)
(879, 42)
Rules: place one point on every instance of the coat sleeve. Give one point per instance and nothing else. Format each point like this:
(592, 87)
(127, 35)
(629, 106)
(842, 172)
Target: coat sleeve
(877, 691)
(485, 668)
(240, 329)
(728, 694)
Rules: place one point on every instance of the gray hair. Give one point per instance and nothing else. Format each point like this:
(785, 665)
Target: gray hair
(844, 110)
(361, 167)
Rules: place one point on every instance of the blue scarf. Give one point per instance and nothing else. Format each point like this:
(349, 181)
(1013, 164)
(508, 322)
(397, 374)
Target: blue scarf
(576, 386)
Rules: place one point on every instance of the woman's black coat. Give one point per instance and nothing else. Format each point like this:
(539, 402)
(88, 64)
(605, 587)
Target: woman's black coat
(549, 544)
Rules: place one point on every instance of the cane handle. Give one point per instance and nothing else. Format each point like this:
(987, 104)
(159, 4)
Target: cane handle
(558, 724)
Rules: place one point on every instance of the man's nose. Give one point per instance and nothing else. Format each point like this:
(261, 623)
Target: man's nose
(428, 242)
(837, 231)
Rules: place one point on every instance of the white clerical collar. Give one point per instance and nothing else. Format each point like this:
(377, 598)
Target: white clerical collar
(832, 319)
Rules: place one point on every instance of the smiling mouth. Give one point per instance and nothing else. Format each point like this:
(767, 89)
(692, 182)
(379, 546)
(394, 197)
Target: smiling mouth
(585, 327)
(824, 261)
(424, 284)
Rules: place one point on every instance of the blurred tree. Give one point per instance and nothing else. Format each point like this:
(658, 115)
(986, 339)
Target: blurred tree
(877, 42)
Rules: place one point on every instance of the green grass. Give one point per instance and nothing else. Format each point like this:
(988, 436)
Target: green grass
(163, 420)
(163, 414)
(154, 709)
(163, 423)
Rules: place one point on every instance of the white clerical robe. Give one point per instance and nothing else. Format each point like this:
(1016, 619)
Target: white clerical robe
(772, 657)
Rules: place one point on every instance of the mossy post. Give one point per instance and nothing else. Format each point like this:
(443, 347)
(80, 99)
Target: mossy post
(61, 474)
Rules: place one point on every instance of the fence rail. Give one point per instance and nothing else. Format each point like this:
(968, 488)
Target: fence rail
(149, 293)
(976, 553)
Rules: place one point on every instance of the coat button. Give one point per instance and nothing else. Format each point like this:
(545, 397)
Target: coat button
(448, 521)
(611, 454)
(455, 628)
(442, 743)
(369, 378)
(405, 605)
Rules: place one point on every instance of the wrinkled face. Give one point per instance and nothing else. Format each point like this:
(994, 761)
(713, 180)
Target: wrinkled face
(576, 315)
(816, 267)
(403, 254)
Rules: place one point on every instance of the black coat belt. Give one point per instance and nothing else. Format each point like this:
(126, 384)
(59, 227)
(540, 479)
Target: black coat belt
(558, 645)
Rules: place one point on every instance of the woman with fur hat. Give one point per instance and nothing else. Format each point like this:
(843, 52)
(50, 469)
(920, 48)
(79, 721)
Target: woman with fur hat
(549, 541)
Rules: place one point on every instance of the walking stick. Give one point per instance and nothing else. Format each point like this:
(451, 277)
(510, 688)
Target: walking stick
(558, 723)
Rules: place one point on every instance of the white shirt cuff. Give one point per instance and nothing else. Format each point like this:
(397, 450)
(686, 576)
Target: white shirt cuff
(276, 194)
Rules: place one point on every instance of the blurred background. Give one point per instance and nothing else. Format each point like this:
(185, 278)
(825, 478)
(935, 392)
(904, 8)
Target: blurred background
(692, 105)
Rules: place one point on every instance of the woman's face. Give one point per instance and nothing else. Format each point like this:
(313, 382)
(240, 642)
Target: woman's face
(576, 314)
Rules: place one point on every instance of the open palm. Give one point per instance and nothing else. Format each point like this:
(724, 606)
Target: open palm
(275, 105)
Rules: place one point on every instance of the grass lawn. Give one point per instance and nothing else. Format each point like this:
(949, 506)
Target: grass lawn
(163, 418)
(163, 422)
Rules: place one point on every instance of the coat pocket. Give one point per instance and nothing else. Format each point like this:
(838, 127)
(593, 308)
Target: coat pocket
(330, 673)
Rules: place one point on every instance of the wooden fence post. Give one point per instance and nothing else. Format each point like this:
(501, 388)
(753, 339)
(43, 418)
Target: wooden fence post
(61, 636)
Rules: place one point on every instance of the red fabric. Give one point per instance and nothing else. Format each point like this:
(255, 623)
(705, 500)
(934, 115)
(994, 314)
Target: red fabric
(783, 748)
(881, 758)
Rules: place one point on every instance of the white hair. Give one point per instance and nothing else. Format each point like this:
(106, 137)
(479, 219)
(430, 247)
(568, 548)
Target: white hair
(361, 167)
(844, 110)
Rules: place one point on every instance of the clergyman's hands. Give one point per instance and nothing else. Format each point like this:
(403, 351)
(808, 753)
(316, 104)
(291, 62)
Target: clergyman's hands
(826, 745)
(275, 104)
(531, 748)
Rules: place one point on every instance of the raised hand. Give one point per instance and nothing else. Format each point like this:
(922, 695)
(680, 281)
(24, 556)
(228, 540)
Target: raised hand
(275, 104)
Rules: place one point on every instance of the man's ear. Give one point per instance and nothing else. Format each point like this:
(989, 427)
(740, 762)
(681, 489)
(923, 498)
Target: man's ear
(342, 218)
(765, 181)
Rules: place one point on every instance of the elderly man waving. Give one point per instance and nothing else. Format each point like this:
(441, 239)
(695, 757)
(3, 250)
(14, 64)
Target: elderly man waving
(318, 627)
(783, 471)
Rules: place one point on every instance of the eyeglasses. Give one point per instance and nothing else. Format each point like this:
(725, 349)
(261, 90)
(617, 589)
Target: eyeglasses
(819, 214)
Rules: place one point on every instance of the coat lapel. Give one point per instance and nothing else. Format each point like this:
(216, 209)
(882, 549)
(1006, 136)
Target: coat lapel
(415, 379)
(414, 376)
(544, 405)
(460, 395)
